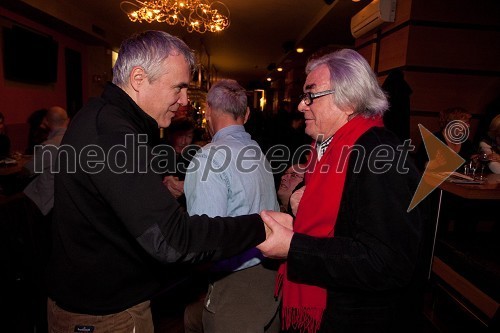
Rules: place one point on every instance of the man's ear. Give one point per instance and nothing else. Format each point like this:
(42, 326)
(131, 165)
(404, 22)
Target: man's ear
(137, 78)
(247, 115)
(208, 118)
(208, 112)
(349, 112)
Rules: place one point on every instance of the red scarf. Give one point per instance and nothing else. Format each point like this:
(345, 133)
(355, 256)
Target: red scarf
(303, 305)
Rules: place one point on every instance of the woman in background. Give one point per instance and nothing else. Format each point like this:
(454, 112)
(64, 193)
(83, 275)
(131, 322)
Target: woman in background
(490, 145)
(463, 148)
(290, 180)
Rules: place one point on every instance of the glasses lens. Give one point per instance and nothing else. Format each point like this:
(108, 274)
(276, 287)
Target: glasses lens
(306, 98)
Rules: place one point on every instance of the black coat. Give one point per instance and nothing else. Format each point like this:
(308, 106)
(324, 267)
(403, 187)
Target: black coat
(117, 234)
(374, 259)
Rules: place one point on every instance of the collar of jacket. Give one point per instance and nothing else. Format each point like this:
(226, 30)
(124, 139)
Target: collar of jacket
(119, 98)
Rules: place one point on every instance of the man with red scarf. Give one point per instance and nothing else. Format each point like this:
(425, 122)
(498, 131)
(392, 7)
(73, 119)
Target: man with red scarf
(353, 253)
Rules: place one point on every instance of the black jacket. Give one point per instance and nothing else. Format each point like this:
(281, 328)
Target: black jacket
(377, 254)
(117, 231)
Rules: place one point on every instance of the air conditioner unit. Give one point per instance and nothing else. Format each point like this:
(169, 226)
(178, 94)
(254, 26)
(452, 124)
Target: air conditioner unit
(372, 16)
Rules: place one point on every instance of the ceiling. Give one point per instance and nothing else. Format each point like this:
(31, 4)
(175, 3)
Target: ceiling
(262, 32)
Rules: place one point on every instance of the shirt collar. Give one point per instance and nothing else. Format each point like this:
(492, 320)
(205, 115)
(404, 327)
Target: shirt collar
(227, 131)
(321, 147)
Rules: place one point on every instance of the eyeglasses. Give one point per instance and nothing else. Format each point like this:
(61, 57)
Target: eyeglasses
(309, 97)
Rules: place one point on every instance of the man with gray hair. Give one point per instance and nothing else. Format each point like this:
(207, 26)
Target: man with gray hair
(355, 253)
(233, 172)
(118, 233)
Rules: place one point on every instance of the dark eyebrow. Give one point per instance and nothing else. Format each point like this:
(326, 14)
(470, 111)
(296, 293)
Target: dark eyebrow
(310, 86)
(182, 85)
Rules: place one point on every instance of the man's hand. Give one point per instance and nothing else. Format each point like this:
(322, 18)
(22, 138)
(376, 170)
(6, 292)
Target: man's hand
(174, 185)
(279, 234)
(295, 199)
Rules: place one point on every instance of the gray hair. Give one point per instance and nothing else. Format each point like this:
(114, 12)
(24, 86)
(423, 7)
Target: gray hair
(354, 82)
(148, 50)
(229, 97)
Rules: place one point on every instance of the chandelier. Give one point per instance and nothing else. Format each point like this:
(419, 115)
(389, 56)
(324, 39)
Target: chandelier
(196, 15)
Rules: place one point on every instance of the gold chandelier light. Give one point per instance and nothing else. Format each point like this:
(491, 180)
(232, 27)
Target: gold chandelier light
(196, 15)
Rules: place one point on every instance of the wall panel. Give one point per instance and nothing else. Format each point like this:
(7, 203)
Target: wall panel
(437, 91)
(463, 49)
(393, 50)
(483, 12)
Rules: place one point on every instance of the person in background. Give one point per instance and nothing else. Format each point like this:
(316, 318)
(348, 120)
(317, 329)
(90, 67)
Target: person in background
(183, 111)
(490, 145)
(201, 136)
(290, 179)
(118, 233)
(490, 111)
(38, 196)
(41, 189)
(4, 139)
(397, 116)
(450, 120)
(233, 172)
(38, 129)
(353, 253)
(297, 137)
(180, 136)
(256, 127)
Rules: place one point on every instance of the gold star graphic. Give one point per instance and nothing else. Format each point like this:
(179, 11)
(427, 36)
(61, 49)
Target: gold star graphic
(442, 163)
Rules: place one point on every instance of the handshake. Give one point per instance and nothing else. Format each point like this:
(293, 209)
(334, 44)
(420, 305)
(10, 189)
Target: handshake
(279, 229)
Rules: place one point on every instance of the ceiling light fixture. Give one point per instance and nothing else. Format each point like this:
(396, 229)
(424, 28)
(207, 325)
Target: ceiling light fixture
(196, 15)
(299, 50)
(279, 69)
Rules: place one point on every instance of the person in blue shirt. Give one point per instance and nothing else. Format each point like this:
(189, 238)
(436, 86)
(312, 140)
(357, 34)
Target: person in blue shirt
(228, 177)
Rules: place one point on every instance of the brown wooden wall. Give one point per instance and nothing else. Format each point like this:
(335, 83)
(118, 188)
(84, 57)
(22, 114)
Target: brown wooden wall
(449, 52)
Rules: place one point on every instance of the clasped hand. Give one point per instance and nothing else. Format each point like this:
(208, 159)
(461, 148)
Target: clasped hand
(279, 233)
(174, 185)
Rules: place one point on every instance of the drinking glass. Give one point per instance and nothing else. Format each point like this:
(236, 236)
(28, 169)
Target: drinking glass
(483, 161)
(466, 169)
(472, 168)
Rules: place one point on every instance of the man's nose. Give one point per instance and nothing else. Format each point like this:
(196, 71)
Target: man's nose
(183, 98)
(302, 106)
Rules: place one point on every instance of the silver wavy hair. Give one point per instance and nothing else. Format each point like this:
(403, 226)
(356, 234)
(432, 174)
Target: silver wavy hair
(229, 97)
(355, 83)
(148, 49)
